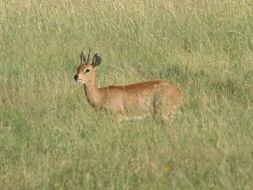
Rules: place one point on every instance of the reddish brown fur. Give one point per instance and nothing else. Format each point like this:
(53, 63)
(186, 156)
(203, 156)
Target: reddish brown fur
(140, 99)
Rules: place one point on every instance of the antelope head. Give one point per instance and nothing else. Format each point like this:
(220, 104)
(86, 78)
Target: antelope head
(85, 71)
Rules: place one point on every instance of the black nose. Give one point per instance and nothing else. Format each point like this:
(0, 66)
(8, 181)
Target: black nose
(76, 77)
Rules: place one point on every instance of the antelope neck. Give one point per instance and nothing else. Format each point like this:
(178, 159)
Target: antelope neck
(93, 93)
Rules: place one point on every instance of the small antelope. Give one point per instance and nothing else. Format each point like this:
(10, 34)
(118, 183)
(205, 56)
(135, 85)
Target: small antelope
(131, 101)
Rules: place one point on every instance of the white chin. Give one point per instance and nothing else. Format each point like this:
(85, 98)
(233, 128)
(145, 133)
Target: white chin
(79, 81)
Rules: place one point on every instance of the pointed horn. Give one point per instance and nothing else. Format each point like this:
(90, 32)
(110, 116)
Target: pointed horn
(88, 59)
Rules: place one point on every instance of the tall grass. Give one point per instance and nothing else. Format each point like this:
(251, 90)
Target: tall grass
(50, 138)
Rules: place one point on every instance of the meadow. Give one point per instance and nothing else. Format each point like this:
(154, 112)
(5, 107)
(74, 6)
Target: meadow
(51, 138)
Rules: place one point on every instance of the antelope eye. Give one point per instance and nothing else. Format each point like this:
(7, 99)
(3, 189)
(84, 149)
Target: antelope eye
(87, 70)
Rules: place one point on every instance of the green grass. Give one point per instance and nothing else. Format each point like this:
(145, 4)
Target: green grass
(51, 138)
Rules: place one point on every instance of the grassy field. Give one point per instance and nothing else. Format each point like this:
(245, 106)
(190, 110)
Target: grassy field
(51, 138)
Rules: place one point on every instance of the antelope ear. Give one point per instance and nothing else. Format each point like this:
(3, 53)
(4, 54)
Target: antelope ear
(84, 57)
(96, 59)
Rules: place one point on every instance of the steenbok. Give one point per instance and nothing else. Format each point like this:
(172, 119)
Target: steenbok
(131, 101)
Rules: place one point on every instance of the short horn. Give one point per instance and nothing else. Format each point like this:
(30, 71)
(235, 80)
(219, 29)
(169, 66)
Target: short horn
(88, 59)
